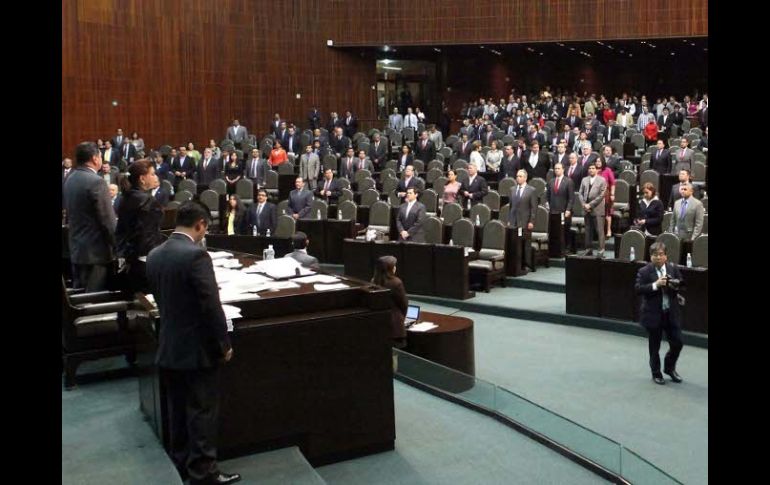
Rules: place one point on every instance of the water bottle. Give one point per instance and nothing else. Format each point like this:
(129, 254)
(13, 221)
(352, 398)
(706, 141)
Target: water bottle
(469, 203)
(339, 214)
(451, 243)
(268, 253)
(632, 256)
(267, 234)
(254, 230)
(318, 214)
(689, 260)
(478, 220)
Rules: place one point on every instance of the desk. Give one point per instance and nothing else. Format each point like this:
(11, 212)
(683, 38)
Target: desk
(451, 344)
(618, 297)
(695, 313)
(556, 231)
(582, 278)
(326, 236)
(514, 252)
(250, 244)
(311, 369)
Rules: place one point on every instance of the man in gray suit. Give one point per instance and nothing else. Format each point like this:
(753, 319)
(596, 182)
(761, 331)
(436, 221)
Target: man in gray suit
(91, 220)
(687, 219)
(299, 242)
(300, 201)
(396, 121)
(682, 158)
(362, 163)
(210, 168)
(256, 169)
(237, 133)
(410, 217)
(522, 212)
(309, 167)
(592, 191)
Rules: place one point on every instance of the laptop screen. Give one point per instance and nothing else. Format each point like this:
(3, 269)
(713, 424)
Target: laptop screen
(413, 312)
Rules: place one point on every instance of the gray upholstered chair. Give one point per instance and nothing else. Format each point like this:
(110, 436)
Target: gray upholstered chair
(379, 217)
(463, 233)
(433, 229)
(282, 207)
(492, 200)
(490, 264)
(451, 213)
(430, 199)
(210, 199)
(188, 185)
(483, 213)
(346, 194)
(219, 186)
(650, 176)
(285, 226)
(244, 188)
(631, 239)
(700, 251)
(369, 197)
(348, 210)
(183, 196)
(673, 245)
(319, 205)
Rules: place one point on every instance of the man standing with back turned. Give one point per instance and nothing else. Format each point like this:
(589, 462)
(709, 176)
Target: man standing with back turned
(193, 342)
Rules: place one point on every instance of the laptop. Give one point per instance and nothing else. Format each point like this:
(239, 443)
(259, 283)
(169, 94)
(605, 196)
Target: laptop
(412, 315)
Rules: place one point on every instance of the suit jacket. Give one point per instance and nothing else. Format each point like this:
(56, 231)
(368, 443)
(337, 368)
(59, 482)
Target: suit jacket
(111, 178)
(379, 154)
(339, 145)
(207, 173)
(138, 227)
(692, 225)
(91, 218)
(403, 185)
(163, 196)
(593, 194)
(333, 123)
(466, 153)
(523, 209)
(426, 154)
(396, 121)
(399, 307)
(564, 160)
(292, 145)
(680, 162)
(193, 331)
(411, 223)
(487, 137)
(365, 165)
(350, 127)
(402, 165)
(666, 126)
(478, 188)
(114, 156)
(262, 166)
(300, 202)
(335, 187)
(540, 169)
(126, 159)
(574, 121)
(613, 132)
(509, 167)
(344, 171)
(267, 219)
(314, 119)
(309, 166)
(652, 214)
(651, 313)
(237, 135)
(117, 142)
(560, 200)
(675, 195)
(187, 167)
(577, 174)
(590, 161)
(304, 258)
(662, 163)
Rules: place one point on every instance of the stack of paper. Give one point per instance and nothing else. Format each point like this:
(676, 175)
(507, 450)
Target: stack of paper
(318, 278)
(333, 286)
(281, 268)
(220, 254)
(423, 327)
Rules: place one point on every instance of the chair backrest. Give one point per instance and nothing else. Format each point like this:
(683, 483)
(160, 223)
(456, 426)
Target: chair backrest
(460, 163)
(393, 199)
(638, 140)
(505, 186)
(549, 175)
(617, 146)
(183, 196)
(362, 174)
(419, 167)
(644, 166)
(388, 172)
(219, 186)
(650, 176)
(622, 191)
(699, 157)
(541, 220)
(433, 230)
(451, 213)
(210, 199)
(348, 209)
(463, 233)
(492, 200)
(282, 207)
(626, 165)
(319, 205)
(285, 226)
(347, 194)
(493, 235)
(286, 168)
(705, 202)
(700, 251)
(389, 184)
(696, 131)
(244, 188)
(435, 164)
(438, 185)
(365, 184)
(345, 183)
(379, 214)
(539, 185)
(667, 219)
(699, 172)
(369, 197)
(188, 185)
(577, 207)
(174, 204)
(433, 174)
(635, 239)
(430, 199)
(446, 151)
(271, 179)
(330, 161)
(647, 156)
(462, 175)
(629, 176)
(170, 187)
(672, 242)
(482, 211)
(504, 210)
(705, 229)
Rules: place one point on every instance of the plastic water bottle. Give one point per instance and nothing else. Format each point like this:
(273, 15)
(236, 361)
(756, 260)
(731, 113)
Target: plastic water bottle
(254, 230)
(478, 220)
(268, 253)
(267, 234)
(469, 203)
(339, 214)
(632, 256)
(318, 214)
(451, 243)
(689, 260)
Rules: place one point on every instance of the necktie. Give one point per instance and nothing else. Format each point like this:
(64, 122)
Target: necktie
(557, 184)
(681, 155)
(350, 162)
(126, 151)
(665, 302)
(571, 170)
(254, 168)
(659, 153)
(259, 211)
(326, 186)
(408, 208)
(205, 164)
(684, 209)
(518, 192)
(585, 159)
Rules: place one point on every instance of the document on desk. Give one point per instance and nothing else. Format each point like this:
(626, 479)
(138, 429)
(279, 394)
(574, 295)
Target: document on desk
(219, 254)
(334, 286)
(423, 327)
(231, 312)
(317, 278)
(228, 295)
(281, 268)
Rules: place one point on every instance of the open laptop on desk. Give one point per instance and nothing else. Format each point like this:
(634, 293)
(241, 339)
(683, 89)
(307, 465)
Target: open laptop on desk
(412, 315)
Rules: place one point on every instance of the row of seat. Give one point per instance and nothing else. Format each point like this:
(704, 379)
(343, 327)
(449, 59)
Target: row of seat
(636, 239)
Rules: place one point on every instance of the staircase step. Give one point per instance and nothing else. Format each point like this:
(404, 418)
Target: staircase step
(276, 467)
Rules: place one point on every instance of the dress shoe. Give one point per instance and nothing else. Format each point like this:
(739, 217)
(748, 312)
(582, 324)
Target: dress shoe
(658, 380)
(219, 479)
(675, 377)
(600, 254)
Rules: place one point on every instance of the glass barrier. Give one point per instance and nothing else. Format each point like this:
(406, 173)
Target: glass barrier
(599, 449)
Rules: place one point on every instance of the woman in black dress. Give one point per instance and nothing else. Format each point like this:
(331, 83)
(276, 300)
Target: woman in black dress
(650, 214)
(385, 275)
(233, 172)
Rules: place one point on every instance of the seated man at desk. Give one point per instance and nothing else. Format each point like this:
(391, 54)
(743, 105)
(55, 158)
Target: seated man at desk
(411, 215)
(330, 188)
(263, 214)
(299, 242)
(300, 200)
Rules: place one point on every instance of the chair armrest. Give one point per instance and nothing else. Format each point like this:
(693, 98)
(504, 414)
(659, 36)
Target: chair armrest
(75, 291)
(97, 297)
(100, 308)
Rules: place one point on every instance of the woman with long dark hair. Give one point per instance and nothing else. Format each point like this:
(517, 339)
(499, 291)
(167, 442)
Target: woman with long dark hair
(233, 172)
(139, 217)
(236, 217)
(385, 276)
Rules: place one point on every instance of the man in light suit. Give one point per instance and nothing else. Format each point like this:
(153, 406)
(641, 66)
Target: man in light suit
(362, 163)
(309, 167)
(592, 191)
(676, 194)
(300, 201)
(299, 242)
(91, 220)
(210, 168)
(348, 165)
(192, 345)
(256, 169)
(330, 188)
(475, 189)
(263, 214)
(237, 133)
(410, 218)
(560, 195)
(682, 158)
(378, 152)
(659, 284)
(687, 217)
(523, 201)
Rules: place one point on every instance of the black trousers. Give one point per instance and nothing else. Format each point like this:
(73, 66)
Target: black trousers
(674, 336)
(192, 399)
(94, 277)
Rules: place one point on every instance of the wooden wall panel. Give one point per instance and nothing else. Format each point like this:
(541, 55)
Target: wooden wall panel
(182, 69)
(420, 22)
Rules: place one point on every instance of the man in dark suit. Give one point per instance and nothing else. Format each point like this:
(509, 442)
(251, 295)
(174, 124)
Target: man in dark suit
(118, 139)
(350, 124)
(275, 126)
(91, 220)
(300, 201)
(574, 170)
(378, 152)
(588, 157)
(348, 164)
(535, 162)
(560, 195)
(488, 135)
(329, 188)
(475, 188)
(659, 283)
(523, 210)
(210, 168)
(410, 218)
(509, 165)
(291, 142)
(299, 242)
(612, 160)
(263, 214)
(127, 154)
(613, 131)
(665, 122)
(409, 180)
(464, 147)
(108, 174)
(256, 169)
(561, 155)
(660, 160)
(183, 167)
(424, 149)
(314, 119)
(192, 344)
(162, 195)
(534, 135)
(339, 143)
(334, 122)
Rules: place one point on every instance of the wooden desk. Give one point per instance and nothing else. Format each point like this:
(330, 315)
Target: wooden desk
(582, 278)
(618, 297)
(514, 252)
(695, 312)
(250, 244)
